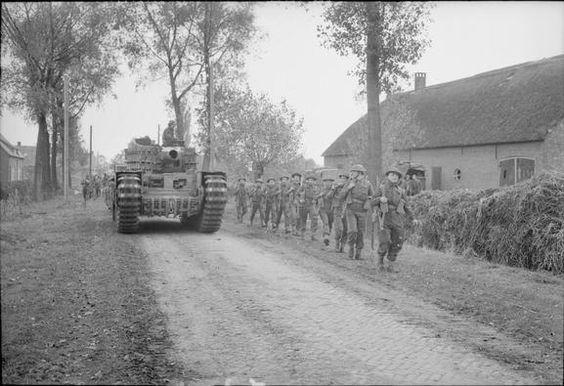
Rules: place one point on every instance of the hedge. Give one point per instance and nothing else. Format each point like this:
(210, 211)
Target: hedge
(521, 225)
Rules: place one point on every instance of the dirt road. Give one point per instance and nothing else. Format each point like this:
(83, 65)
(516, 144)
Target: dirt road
(243, 311)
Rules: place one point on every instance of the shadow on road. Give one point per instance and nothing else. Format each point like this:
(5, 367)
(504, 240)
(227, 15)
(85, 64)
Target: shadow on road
(165, 226)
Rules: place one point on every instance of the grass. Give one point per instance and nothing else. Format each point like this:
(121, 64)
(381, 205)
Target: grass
(76, 302)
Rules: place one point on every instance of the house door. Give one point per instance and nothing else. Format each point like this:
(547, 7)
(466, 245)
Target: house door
(436, 172)
(507, 172)
(525, 168)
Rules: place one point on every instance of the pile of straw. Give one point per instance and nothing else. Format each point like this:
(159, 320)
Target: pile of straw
(521, 226)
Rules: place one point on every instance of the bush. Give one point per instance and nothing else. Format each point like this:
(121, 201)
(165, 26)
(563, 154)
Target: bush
(15, 197)
(522, 225)
(20, 189)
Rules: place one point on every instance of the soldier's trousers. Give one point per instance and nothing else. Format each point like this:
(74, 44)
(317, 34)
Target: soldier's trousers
(340, 227)
(295, 213)
(327, 220)
(270, 211)
(284, 208)
(241, 210)
(256, 206)
(356, 225)
(390, 240)
(308, 209)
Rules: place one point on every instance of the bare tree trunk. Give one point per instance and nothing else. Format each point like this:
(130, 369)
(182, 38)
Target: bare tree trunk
(179, 134)
(54, 136)
(258, 169)
(207, 157)
(374, 153)
(41, 177)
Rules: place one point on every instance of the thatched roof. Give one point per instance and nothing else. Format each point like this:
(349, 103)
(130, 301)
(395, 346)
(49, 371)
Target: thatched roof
(10, 149)
(520, 103)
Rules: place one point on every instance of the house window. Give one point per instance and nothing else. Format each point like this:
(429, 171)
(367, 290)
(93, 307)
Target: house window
(516, 169)
(457, 174)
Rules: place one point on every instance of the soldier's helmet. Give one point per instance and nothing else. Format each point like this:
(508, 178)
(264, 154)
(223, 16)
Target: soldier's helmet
(271, 179)
(258, 180)
(282, 178)
(310, 176)
(296, 174)
(328, 178)
(358, 168)
(393, 170)
(242, 179)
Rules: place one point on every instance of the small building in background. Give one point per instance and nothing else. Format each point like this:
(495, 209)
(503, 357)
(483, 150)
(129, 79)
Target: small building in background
(489, 130)
(11, 162)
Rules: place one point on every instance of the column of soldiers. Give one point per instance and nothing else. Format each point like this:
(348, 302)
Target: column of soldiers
(342, 205)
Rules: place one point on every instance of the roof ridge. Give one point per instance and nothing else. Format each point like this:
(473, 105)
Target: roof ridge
(489, 73)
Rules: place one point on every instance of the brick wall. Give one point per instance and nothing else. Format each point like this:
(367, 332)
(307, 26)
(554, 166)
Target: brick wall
(478, 165)
(338, 162)
(553, 149)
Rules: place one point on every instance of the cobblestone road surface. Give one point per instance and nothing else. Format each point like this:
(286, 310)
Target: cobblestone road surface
(242, 312)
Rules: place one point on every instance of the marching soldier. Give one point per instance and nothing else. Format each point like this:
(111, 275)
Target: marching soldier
(241, 199)
(357, 196)
(391, 201)
(339, 219)
(285, 205)
(272, 202)
(293, 198)
(308, 195)
(257, 201)
(325, 211)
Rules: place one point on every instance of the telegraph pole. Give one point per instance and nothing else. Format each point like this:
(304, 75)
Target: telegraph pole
(90, 151)
(159, 134)
(210, 134)
(66, 139)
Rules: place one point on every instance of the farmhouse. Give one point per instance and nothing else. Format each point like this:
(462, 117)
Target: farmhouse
(11, 162)
(492, 129)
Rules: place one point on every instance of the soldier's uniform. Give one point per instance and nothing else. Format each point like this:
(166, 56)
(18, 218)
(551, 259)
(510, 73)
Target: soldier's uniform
(394, 210)
(357, 197)
(86, 188)
(272, 202)
(308, 195)
(241, 199)
(284, 205)
(325, 211)
(257, 201)
(293, 200)
(339, 219)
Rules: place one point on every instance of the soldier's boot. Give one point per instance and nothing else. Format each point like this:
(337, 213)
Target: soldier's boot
(381, 261)
(391, 259)
(337, 246)
(358, 254)
(351, 252)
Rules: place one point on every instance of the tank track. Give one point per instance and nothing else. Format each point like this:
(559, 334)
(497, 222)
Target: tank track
(129, 203)
(215, 198)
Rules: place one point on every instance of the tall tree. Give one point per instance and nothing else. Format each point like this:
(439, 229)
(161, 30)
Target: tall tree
(223, 33)
(385, 37)
(41, 43)
(159, 40)
(252, 131)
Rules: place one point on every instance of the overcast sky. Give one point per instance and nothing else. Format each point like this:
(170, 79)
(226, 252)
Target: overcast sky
(466, 38)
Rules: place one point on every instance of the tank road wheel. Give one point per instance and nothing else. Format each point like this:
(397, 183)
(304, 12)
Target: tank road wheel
(128, 203)
(215, 198)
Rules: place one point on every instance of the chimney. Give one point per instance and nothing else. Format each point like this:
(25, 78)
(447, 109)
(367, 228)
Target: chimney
(420, 80)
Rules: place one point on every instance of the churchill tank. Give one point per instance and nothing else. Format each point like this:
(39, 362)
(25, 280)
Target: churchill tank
(164, 181)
